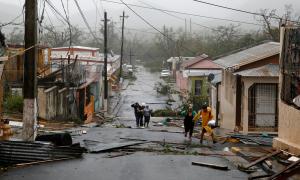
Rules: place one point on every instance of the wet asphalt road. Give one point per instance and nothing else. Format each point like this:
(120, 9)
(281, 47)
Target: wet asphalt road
(142, 91)
(137, 166)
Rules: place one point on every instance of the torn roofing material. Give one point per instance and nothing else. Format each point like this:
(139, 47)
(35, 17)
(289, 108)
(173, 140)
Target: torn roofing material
(17, 152)
(249, 55)
(268, 70)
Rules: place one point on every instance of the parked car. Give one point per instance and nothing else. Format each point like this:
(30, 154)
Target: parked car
(165, 73)
(129, 68)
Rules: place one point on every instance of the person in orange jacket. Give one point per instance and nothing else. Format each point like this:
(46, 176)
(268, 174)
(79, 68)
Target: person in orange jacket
(206, 116)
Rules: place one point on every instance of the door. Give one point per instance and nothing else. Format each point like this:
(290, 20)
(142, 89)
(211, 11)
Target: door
(265, 105)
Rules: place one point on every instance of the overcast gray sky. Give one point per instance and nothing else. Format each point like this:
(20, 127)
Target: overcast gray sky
(10, 8)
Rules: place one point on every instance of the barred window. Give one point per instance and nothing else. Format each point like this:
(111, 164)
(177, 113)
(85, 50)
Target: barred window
(290, 67)
(198, 86)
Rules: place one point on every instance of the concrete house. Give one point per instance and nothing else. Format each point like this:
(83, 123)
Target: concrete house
(192, 79)
(72, 92)
(249, 89)
(289, 103)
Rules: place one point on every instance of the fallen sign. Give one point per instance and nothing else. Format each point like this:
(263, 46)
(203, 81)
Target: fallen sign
(214, 166)
(100, 147)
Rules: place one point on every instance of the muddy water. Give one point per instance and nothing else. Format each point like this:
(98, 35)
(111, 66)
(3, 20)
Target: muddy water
(142, 90)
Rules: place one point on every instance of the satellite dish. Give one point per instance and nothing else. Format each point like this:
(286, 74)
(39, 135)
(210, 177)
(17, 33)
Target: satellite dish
(211, 77)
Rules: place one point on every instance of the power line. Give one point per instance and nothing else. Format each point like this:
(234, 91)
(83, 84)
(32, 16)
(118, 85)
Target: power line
(12, 22)
(69, 25)
(203, 26)
(185, 13)
(243, 11)
(85, 21)
(53, 8)
(207, 27)
(147, 22)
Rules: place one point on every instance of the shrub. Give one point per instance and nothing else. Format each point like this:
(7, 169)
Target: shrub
(13, 103)
(164, 113)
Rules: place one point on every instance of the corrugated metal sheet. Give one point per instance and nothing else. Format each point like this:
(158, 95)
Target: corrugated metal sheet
(249, 55)
(200, 72)
(16, 152)
(269, 70)
(192, 61)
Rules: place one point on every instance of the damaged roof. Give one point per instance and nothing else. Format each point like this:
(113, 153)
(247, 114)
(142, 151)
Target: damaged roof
(249, 55)
(269, 70)
(200, 62)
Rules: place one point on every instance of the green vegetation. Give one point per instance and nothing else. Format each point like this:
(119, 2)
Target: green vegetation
(13, 104)
(164, 113)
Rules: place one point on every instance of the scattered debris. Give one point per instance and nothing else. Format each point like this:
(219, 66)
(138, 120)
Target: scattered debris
(263, 140)
(262, 159)
(292, 162)
(163, 130)
(214, 166)
(118, 154)
(101, 147)
(293, 159)
(294, 166)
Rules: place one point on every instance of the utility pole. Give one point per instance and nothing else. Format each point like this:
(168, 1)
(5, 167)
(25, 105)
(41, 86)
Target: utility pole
(130, 56)
(185, 27)
(105, 64)
(122, 44)
(30, 66)
(190, 25)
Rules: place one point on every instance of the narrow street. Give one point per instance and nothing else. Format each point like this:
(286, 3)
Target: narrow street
(147, 161)
(141, 90)
(218, 84)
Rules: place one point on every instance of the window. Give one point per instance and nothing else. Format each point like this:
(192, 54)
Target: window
(198, 86)
(290, 67)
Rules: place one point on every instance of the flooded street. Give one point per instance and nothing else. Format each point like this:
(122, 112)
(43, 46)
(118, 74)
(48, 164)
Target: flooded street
(148, 161)
(142, 90)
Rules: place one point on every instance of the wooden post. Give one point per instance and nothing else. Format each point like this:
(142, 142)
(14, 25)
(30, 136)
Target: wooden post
(30, 66)
(122, 44)
(105, 64)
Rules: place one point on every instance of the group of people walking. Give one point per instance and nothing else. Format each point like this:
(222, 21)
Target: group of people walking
(142, 114)
(191, 117)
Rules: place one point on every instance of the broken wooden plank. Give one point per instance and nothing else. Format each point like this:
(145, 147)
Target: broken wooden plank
(262, 159)
(167, 131)
(259, 176)
(41, 162)
(106, 147)
(214, 166)
(291, 166)
(118, 154)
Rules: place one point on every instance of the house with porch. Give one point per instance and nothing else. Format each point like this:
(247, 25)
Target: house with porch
(289, 85)
(192, 79)
(86, 56)
(249, 89)
(73, 92)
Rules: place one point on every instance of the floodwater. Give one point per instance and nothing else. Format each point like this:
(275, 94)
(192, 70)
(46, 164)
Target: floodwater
(142, 90)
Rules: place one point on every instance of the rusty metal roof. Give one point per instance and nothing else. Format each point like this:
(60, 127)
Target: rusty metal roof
(249, 55)
(269, 70)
